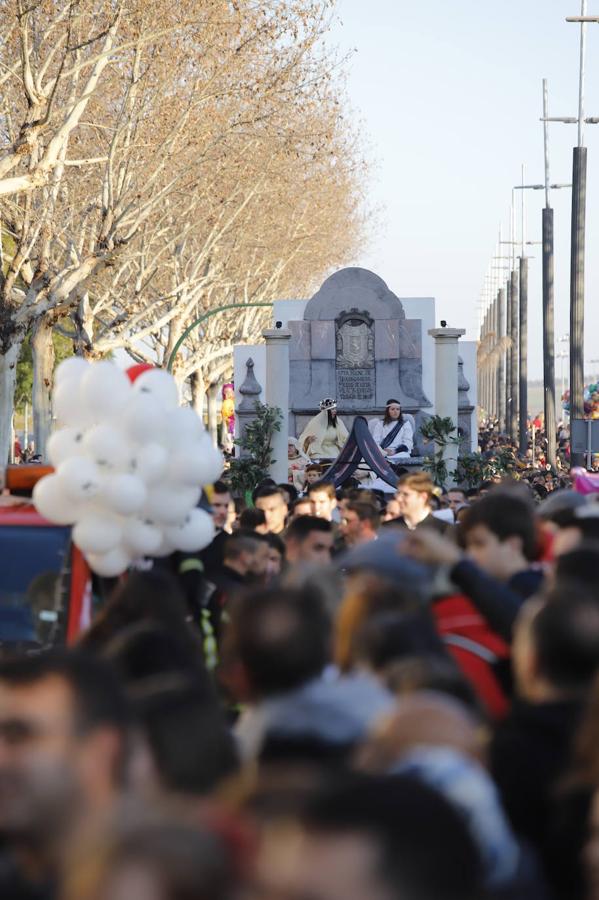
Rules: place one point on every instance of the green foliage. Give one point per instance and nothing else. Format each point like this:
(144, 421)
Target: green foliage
(474, 468)
(245, 472)
(442, 431)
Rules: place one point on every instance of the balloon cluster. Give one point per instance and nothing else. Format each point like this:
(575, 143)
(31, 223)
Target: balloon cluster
(129, 464)
(591, 401)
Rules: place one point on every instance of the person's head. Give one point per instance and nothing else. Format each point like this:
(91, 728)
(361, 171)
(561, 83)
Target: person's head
(293, 448)
(149, 856)
(309, 539)
(391, 510)
(289, 492)
(273, 503)
(414, 495)
(313, 473)
(360, 523)
(392, 411)
(499, 533)
(252, 519)
(221, 498)
(276, 555)
(455, 497)
(556, 644)
(247, 553)
(384, 837)
(579, 565)
(301, 507)
(330, 406)
(276, 640)
(323, 499)
(64, 729)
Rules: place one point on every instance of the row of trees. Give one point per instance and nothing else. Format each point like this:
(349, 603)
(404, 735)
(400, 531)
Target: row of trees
(159, 159)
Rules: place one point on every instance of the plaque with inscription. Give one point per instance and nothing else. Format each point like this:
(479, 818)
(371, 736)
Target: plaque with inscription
(355, 356)
(355, 384)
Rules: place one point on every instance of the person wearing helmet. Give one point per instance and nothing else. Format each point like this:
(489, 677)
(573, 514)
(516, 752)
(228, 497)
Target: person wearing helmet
(325, 434)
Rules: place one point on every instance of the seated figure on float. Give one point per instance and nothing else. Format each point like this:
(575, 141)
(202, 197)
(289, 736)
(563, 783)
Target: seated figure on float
(394, 434)
(325, 434)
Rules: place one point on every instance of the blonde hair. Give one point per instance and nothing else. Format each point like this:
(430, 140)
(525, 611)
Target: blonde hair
(418, 481)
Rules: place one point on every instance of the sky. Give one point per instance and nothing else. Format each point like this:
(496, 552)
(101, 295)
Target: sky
(448, 97)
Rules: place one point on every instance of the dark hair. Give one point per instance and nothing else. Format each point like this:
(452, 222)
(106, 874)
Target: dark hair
(300, 528)
(423, 846)
(241, 542)
(145, 596)
(505, 515)
(313, 467)
(390, 636)
(387, 418)
(99, 697)
(251, 518)
(366, 512)
(297, 503)
(281, 637)
(274, 542)
(291, 492)
(269, 490)
(221, 487)
(565, 633)
(580, 564)
(266, 482)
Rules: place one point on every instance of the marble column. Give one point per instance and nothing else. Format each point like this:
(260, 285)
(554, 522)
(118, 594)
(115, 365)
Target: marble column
(212, 395)
(446, 384)
(277, 394)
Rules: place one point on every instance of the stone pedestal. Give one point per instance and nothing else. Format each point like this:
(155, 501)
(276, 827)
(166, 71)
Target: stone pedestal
(277, 394)
(446, 383)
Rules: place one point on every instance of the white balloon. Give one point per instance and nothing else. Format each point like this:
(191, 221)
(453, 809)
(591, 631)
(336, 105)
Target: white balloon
(110, 564)
(170, 503)
(189, 467)
(185, 426)
(105, 390)
(107, 447)
(160, 386)
(125, 494)
(165, 549)
(149, 463)
(64, 443)
(212, 458)
(80, 478)
(68, 404)
(72, 367)
(52, 503)
(143, 420)
(141, 537)
(194, 533)
(97, 533)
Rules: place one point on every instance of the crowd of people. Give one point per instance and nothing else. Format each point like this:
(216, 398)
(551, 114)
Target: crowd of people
(346, 696)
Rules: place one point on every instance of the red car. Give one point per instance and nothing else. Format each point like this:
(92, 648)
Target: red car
(45, 582)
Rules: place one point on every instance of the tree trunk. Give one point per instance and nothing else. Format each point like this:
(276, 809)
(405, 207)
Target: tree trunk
(42, 350)
(196, 383)
(8, 379)
(212, 398)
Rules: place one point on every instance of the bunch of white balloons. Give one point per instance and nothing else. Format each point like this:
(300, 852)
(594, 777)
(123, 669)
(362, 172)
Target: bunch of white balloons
(129, 465)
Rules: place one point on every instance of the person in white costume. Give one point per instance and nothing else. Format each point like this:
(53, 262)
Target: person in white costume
(325, 434)
(393, 433)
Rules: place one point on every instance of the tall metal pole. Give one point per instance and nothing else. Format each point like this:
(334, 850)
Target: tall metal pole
(501, 393)
(515, 345)
(548, 302)
(508, 354)
(523, 404)
(523, 342)
(579, 179)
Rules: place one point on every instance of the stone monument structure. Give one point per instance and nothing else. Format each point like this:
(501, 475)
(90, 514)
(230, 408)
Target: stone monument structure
(354, 343)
